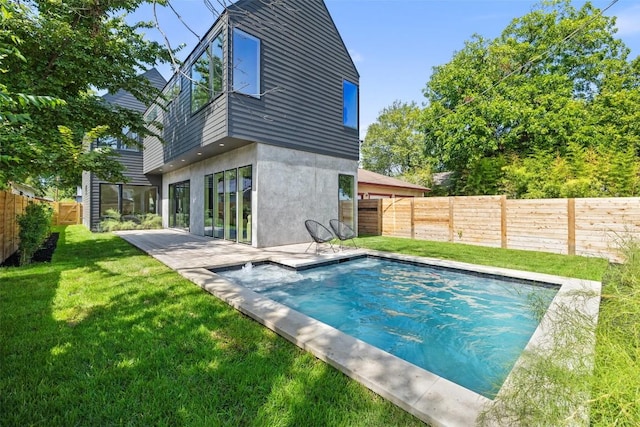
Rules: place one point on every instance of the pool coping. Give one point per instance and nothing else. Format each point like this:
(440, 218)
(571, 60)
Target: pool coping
(427, 396)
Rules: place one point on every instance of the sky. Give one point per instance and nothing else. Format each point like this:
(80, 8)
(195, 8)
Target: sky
(394, 43)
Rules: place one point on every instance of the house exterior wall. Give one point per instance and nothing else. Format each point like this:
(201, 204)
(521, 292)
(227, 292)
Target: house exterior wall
(289, 187)
(132, 161)
(303, 65)
(294, 186)
(304, 62)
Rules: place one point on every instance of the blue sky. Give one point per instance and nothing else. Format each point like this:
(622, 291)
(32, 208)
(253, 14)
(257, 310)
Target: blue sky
(395, 43)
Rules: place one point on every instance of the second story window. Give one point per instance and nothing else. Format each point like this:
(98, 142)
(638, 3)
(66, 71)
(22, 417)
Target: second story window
(200, 83)
(350, 104)
(121, 144)
(218, 65)
(207, 74)
(246, 63)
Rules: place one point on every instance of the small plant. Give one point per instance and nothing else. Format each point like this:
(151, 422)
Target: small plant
(35, 224)
(150, 221)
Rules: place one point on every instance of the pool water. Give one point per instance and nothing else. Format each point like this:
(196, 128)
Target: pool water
(467, 328)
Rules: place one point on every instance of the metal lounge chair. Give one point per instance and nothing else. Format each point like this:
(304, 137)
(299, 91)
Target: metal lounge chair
(343, 231)
(319, 233)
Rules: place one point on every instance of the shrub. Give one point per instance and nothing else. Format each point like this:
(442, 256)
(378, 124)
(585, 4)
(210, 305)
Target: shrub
(113, 221)
(35, 224)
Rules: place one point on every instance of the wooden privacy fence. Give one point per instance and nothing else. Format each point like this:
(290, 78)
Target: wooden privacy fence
(12, 205)
(590, 227)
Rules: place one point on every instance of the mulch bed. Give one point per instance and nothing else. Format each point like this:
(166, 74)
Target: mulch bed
(44, 254)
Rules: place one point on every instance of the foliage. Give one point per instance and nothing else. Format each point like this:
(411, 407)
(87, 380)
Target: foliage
(615, 396)
(582, 172)
(114, 221)
(106, 335)
(67, 51)
(35, 224)
(12, 104)
(394, 144)
(554, 98)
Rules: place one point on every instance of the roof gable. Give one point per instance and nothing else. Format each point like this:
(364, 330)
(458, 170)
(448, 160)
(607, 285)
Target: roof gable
(368, 177)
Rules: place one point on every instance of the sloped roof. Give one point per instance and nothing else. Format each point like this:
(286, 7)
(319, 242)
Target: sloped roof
(127, 100)
(368, 177)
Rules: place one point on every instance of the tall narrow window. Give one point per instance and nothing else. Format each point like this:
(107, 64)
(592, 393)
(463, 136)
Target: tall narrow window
(218, 206)
(245, 185)
(208, 205)
(230, 203)
(246, 63)
(346, 204)
(200, 83)
(217, 64)
(350, 104)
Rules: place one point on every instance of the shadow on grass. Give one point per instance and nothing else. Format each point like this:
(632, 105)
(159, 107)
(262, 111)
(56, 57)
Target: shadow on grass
(105, 335)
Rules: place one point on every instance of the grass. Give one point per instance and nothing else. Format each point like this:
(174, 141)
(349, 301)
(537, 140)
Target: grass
(616, 386)
(540, 262)
(105, 335)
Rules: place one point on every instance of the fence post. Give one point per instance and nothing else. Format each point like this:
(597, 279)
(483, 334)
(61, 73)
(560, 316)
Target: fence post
(413, 222)
(380, 216)
(451, 219)
(503, 221)
(571, 226)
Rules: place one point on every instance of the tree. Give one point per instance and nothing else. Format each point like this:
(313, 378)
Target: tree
(553, 78)
(70, 51)
(394, 145)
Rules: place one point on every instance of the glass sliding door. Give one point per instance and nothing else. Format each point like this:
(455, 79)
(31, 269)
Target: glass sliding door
(245, 185)
(346, 205)
(218, 205)
(179, 205)
(208, 205)
(230, 205)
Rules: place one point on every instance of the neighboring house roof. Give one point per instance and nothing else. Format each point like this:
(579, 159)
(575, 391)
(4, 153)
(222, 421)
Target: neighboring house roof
(368, 177)
(127, 100)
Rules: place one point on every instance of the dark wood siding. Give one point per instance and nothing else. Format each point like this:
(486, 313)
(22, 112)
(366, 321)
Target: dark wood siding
(304, 62)
(183, 130)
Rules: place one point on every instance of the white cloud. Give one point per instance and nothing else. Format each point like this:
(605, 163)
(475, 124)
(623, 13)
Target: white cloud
(628, 21)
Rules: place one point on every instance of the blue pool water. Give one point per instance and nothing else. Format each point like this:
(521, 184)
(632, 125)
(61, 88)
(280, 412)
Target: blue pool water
(467, 328)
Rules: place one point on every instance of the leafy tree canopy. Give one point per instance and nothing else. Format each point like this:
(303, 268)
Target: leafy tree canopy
(554, 92)
(62, 54)
(394, 145)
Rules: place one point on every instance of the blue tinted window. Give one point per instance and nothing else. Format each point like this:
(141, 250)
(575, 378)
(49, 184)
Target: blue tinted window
(350, 104)
(246, 63)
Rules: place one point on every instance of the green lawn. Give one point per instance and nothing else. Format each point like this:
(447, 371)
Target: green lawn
(105, 335)
(540, 262)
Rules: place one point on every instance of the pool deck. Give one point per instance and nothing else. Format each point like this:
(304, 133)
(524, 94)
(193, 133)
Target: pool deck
(433, 399)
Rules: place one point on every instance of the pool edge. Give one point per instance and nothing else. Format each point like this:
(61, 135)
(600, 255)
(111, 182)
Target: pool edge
(425, 395)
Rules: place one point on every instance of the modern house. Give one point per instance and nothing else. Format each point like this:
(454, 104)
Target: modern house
(259, 129)
(372, 185)
(140, 194)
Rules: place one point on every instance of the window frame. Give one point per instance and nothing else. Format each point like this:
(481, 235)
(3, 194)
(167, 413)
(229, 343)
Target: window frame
(350, 104)
(195, 107)
(235, 68)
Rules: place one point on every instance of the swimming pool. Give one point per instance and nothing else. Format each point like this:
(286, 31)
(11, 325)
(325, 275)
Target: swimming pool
(467, 328)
